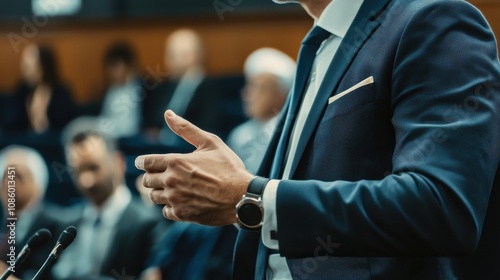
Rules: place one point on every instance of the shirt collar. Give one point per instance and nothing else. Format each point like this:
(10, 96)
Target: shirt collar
(113, 207)
(338, 16)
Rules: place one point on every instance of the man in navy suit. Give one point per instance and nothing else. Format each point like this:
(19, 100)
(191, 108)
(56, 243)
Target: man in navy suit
(384, 162)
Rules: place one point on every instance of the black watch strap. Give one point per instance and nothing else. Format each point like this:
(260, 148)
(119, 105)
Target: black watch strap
(257, 185)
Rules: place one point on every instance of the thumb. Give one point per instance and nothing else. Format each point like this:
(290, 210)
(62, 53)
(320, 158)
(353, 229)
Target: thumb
(186, 130)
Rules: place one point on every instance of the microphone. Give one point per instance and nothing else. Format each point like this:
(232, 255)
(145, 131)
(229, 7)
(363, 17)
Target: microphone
(65, 239)
(35, 241)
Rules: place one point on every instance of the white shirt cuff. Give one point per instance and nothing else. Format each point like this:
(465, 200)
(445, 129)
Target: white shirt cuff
(270, 222)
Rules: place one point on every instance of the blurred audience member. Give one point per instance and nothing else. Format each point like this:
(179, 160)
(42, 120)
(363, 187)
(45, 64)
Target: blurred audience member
(185, 56)
(187, 90)
(184, 60)
(41, 102)
(269, 76)
(31, 178)
(116, 232)
(121, 109)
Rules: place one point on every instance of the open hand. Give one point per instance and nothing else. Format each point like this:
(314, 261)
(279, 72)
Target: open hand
(202, 187)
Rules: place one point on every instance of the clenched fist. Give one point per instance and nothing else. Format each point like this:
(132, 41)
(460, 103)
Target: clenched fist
(201, 187)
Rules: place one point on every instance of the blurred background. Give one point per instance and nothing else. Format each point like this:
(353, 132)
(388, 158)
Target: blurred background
(114, 67)
(81, 35)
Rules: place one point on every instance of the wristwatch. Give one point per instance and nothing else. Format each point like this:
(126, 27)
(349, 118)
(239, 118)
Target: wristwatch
(249, 211)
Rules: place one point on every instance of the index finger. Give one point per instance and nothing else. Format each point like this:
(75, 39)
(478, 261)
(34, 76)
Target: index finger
(152, 163)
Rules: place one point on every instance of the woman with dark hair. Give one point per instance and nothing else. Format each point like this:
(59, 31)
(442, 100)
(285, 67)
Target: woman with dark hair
(41, 101)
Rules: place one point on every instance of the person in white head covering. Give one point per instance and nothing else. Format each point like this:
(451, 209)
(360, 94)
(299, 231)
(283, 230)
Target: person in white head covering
(29, 183)
(269, 77)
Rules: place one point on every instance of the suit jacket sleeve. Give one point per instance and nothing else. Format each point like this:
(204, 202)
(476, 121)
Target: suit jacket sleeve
(446, 122)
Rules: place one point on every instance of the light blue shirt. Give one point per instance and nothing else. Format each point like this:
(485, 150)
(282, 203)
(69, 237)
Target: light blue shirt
(249, 141)
(121, 111)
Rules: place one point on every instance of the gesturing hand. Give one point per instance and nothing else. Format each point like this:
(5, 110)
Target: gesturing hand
(202, 187)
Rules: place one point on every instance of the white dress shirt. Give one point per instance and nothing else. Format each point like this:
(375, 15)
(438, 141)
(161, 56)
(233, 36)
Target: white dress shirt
(336, 19)
(95, 235)
(121, 109)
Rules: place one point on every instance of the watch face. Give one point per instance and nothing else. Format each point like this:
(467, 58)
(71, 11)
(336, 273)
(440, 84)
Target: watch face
(250, 214)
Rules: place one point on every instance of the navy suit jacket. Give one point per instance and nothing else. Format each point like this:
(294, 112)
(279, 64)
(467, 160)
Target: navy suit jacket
(397, 179)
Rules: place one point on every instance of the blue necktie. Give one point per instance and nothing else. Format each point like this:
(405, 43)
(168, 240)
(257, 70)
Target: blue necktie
(250, 255)
(307, 54)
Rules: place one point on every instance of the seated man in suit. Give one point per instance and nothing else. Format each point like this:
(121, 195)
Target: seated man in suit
(115, 231)
(31, 179)
(184, 61)
(188, 90)
(269, 76)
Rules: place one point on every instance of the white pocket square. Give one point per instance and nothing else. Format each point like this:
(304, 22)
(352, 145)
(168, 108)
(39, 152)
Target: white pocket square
(364, 82)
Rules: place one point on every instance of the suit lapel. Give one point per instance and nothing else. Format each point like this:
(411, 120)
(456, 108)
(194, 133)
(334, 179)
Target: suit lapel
(360, 31)
(116, 244)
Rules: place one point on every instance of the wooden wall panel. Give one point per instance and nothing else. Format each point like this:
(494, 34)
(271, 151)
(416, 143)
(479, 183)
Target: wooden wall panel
(80, 46)
(491, 10)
